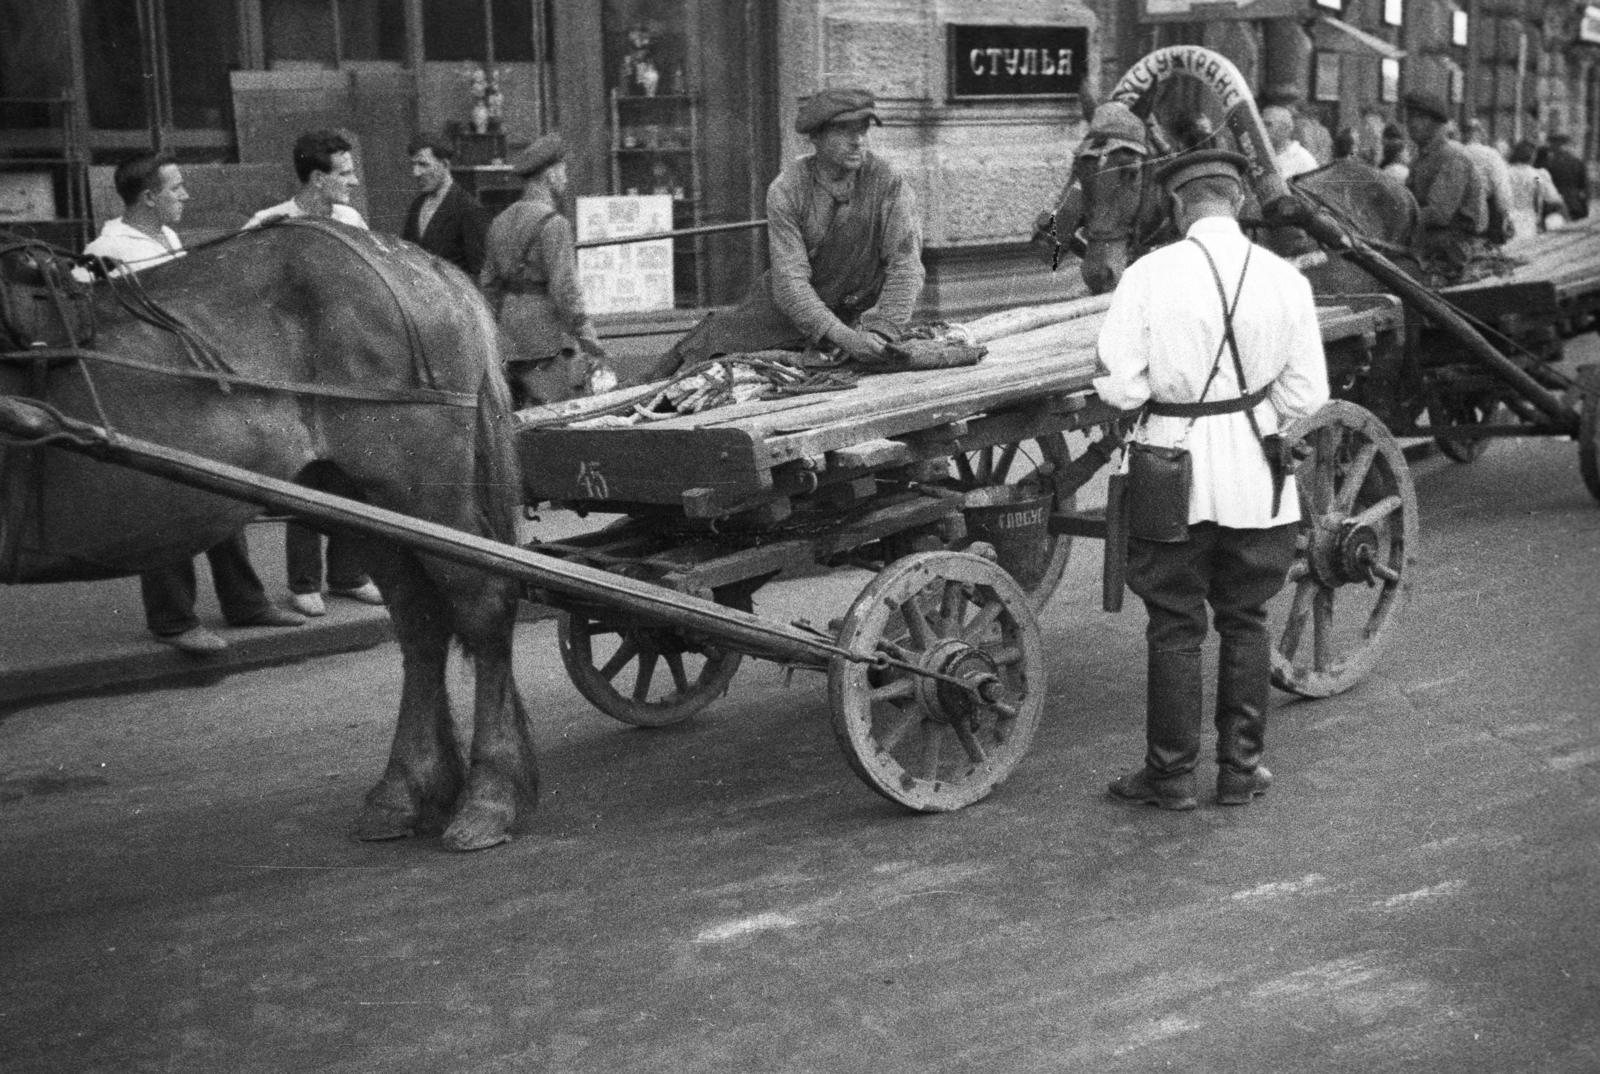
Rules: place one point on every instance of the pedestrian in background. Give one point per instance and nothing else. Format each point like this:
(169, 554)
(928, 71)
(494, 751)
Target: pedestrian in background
(153, 195)
(444, 219)
(1570, 175)
(1216, 340)
(1535, 201)
(327, 173)
(1292, 157)
(530, 277)
(1450, 195)
(1496, 181)
(1394, 160)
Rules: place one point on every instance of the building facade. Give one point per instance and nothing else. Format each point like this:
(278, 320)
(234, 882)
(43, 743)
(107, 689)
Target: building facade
(983, 101)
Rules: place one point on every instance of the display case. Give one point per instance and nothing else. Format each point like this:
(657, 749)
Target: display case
(653, 151)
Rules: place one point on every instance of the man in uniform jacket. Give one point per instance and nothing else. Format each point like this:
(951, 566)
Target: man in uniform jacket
(845, 244)
(1451, 197)
(444, 219)
(530, 277)
(1166, 350)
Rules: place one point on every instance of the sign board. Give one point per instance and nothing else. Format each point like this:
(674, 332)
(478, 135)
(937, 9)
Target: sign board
(27, 196)
(1016, 61)
(1589, 28)
(1212, 11)
(633, 277)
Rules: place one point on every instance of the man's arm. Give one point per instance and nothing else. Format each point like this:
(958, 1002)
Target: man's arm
(902, 236)
(1302, 387)
(1448, 192)
(561, 266)
(474, 232)
(1124, 346)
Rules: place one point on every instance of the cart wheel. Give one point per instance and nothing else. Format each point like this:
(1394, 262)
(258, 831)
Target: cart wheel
(1358, 541)
(1465, 410)
(1589, 429)
(926, 743)
(600, 653)
(1025, 466)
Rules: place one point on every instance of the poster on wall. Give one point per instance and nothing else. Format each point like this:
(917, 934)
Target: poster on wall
(633, 277)
(27, 196)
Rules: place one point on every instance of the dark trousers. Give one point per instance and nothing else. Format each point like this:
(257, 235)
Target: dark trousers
(302, 547)
(1235, 572)
(169, 592)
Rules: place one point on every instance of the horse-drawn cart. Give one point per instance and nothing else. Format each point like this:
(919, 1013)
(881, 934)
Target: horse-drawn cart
(958, 487)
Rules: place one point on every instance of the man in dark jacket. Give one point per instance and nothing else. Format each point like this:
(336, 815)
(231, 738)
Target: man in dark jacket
(1452, 199)
(444, 219)
(1570, 176)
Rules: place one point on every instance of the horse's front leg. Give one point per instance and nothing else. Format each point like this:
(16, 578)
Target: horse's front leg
(503, 779)
(424, 774)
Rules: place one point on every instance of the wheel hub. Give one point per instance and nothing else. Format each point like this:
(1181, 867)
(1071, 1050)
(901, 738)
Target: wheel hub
(948, 702)
(1343, 553)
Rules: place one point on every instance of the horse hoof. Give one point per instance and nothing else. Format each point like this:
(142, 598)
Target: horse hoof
(377, 825)
(477, 830)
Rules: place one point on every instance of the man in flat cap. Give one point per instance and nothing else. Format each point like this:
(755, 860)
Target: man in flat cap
(1214, 340)
(1453, 201)
(530, 277)
(845, 243)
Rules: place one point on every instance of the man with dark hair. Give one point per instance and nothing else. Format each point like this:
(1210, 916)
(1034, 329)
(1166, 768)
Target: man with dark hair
(327, 173)
(845, 246)
(444, 219)
(530, 277)
(1496, 180)
(1570, 175)
(1453, 204)
(153, 195)
(1216, 341)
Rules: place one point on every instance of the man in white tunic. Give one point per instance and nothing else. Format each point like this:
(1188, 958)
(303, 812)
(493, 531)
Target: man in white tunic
(1164, 345)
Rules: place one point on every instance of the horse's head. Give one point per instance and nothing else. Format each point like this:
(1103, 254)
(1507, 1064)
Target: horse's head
(1119, 208)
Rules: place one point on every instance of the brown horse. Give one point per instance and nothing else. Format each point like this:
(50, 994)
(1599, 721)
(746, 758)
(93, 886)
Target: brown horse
(341, 359)
(1121, 214)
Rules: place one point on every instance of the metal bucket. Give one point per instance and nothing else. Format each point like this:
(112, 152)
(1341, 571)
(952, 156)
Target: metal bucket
(1017, 525)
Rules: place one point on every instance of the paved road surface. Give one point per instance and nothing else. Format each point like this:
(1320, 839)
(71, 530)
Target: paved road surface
(1418, 893)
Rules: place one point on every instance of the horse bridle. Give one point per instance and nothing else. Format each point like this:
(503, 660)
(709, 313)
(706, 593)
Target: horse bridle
(1130, 234)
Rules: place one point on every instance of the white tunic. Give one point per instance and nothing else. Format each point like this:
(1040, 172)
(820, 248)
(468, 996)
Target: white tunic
(1160, 338)
(291, 209)
(134, 248)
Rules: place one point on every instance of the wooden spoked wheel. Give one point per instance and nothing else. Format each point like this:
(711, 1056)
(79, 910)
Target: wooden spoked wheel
(1589, 430)
(937, 744)
(1358, 541)
(644, 675)
(1026, 469)
(1477, 409)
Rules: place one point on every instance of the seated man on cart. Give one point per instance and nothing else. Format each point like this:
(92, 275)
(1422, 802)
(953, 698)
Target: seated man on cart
(846, 249)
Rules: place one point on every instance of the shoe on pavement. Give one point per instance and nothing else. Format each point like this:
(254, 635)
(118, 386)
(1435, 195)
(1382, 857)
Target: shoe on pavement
(1167, 792)
(309, 604)
(366, 593)
(197, 641)
(274, 616)
(1237, 788)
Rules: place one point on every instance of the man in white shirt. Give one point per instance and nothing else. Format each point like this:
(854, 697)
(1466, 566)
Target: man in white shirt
(1164, 346)
(1495, 175)
(1293, 158)
(327, 174)
(153, 195)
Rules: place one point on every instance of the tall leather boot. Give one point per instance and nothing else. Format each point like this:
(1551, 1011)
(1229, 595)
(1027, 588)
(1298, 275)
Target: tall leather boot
(1244, 688)
(1173, 709)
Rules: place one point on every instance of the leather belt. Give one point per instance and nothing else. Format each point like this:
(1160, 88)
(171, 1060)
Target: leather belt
(1206, 410)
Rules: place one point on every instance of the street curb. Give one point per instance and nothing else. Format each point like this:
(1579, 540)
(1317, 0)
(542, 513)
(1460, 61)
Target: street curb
(149, 662)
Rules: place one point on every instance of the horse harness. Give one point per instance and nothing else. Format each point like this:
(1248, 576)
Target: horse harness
(63, 338)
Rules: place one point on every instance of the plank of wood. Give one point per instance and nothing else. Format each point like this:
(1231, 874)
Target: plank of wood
(639, 464)
(869, 455)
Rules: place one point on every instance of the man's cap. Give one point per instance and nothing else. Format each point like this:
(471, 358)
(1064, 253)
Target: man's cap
(840, 104)
(1114, 126)
(1428, 104)
(1201, 163)
(540, 155)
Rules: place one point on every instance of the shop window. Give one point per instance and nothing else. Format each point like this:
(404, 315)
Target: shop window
(170, 55)
(485, 31)
(1389, 80)
(1458, 85)
(1327, 80)
(302, 31)
(1394, 12)
(1458, 27)
(1336, 5)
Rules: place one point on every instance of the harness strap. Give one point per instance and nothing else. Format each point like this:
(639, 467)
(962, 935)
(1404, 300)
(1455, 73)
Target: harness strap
(433, 396)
